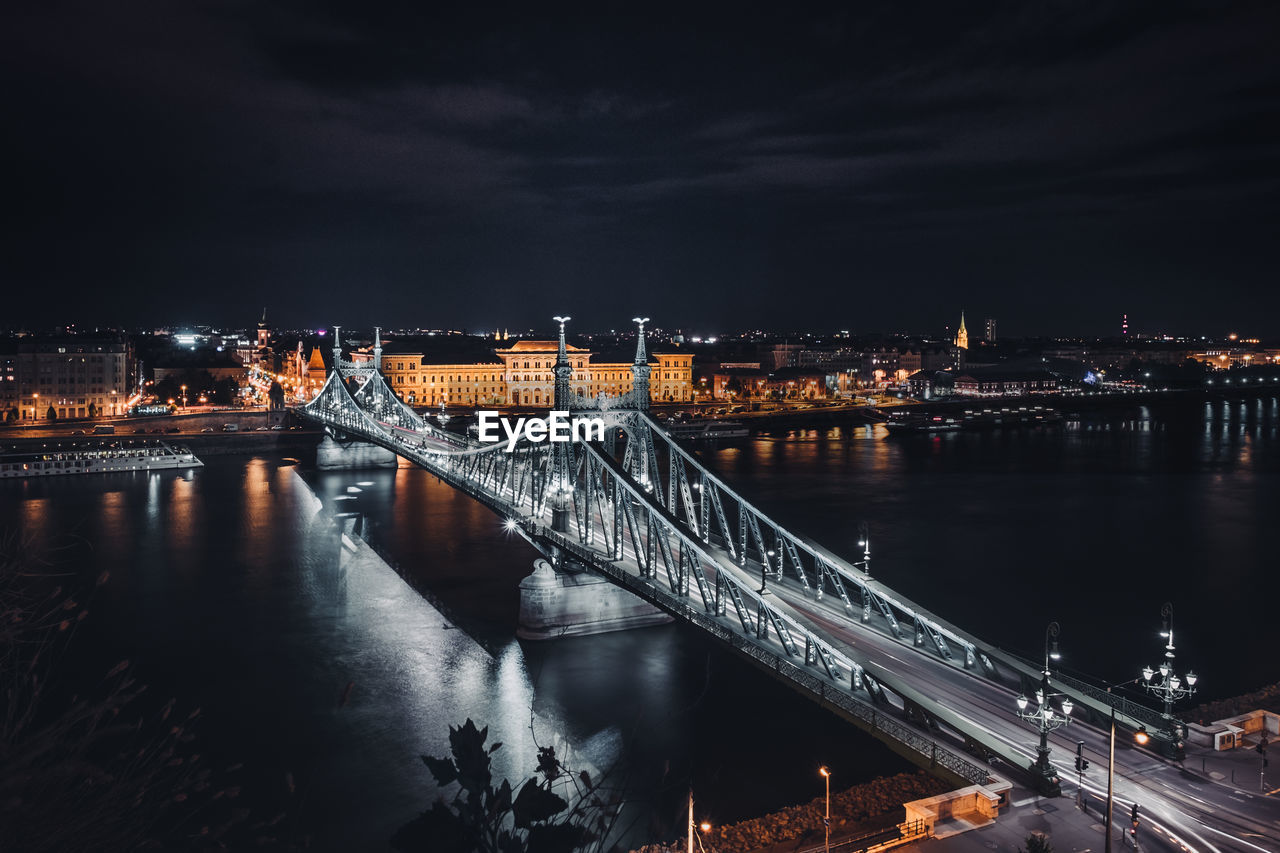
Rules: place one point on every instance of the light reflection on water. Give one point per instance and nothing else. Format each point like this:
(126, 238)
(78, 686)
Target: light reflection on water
(230, 596)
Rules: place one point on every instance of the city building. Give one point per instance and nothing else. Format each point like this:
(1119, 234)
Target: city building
(315, 372)
(179, 363)
(797, 383)
(990, 333)
(9, 390)
(1004, 382)
(74, 376)
(520, 375)
(1227, 357)
(930, 384)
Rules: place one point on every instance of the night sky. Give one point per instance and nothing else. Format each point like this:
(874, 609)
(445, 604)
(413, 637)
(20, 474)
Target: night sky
(867, 166)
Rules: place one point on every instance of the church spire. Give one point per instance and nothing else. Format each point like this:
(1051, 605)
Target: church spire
(962, 335)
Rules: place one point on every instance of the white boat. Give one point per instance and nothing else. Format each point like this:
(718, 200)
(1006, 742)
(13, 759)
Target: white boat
(706, 429)
(51, 461)
(899, 424)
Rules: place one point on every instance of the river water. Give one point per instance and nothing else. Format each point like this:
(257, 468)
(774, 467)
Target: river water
(227, 592)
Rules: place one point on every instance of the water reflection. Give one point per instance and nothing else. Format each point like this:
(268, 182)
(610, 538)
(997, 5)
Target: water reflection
(229, 588)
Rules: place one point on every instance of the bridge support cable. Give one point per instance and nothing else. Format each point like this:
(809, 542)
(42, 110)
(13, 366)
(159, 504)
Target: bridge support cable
(725, 532)
(827, 574)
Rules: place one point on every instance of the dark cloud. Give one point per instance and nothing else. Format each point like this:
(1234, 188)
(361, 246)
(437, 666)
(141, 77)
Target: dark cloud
(1051, 164)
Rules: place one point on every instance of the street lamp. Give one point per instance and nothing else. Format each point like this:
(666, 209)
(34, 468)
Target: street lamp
(1044, 717)
(1171, 686)
(864, 542)
(184, 396)
(826, 821)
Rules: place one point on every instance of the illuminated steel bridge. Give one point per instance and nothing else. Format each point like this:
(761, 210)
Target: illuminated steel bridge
(640, 510)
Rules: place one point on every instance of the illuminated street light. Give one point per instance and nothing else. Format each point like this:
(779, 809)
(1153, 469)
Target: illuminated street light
(1044, 717)
(1170, 687)
(826, 821)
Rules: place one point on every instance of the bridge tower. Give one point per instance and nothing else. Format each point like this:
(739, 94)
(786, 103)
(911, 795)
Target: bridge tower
(561, 483)
(640, 369)
(337, 346)
(377, 348)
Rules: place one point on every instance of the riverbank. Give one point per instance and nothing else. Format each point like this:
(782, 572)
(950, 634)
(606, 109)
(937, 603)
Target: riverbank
(854, 811)
(1262, 699)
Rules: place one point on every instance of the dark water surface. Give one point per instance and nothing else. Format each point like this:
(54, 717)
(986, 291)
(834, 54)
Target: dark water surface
(227, 593)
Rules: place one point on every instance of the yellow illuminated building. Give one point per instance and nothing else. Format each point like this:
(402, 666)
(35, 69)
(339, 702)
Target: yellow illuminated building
(521, 375)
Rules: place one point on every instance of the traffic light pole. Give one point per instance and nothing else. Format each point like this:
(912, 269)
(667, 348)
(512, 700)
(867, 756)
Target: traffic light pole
(1081, 766)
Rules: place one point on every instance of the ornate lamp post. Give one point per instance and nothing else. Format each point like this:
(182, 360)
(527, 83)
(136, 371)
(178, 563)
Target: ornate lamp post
(1170, 687)
(1044, 717)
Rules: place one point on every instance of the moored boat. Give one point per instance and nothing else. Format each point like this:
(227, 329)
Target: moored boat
(99, 458)
(706, 429)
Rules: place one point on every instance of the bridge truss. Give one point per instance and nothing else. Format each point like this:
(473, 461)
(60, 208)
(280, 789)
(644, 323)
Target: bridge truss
(656, 521)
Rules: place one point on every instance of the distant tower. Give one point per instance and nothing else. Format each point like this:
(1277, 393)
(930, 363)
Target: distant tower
(1124, 326)
(962, 336)
(264, 333)
(377, 349)
(991, 330)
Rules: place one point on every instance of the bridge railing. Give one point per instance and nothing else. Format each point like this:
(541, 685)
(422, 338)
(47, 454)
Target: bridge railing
(708, 507)
(926, 748)
(712, 507)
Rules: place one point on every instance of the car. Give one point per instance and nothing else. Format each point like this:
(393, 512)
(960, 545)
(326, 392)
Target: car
(260, 429)
(231, 427)
(277, 426)
(207, 429)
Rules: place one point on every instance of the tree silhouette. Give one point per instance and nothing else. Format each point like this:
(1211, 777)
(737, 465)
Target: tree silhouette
(499, 819)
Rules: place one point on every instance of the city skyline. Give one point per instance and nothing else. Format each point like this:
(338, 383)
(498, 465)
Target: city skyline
(883, 166)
